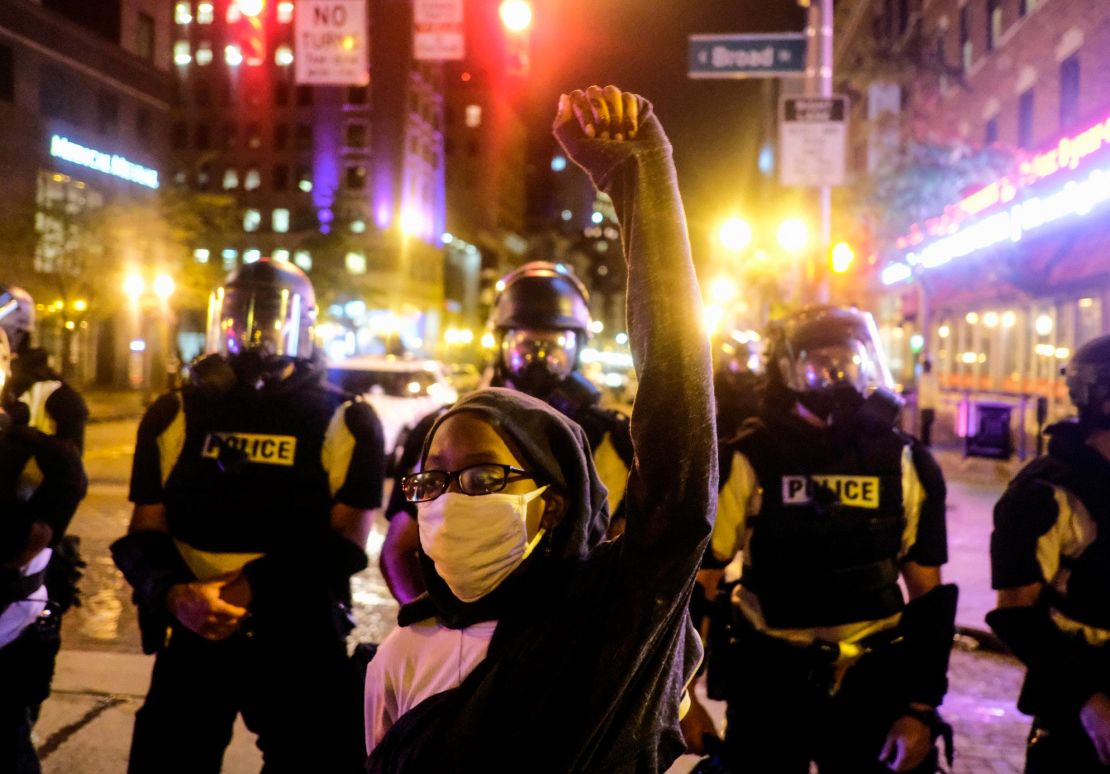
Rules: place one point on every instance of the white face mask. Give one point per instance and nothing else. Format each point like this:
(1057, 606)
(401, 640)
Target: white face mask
(476, 541)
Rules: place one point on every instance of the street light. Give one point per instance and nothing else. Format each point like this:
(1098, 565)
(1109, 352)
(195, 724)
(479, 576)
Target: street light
(722, 290)
(842, 257)
(164, 286)
(793, 235)
(516, 15)
(735, 234)
(134, 286)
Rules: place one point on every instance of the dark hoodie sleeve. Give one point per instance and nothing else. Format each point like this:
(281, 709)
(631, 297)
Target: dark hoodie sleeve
(672, 488)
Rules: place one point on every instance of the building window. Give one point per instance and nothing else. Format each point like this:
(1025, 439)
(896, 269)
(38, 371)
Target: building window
(304, 96)
(281, 136)
(202, 254)
(144, 37)
(903, 16)
(252, 180)
(967, 49)
(990, 132)
(283, 55)
(251, 255)
(356, 177)
(285, 12)
(233, 55)
(254, 135)
(230, 257)
(204, 177)
(252, 219)
(281, 94)
(1025, 119)
(204, 53)
(205, 14)
(107, 113)
(202, 138)
(202, 93)
(53, 93)
(473, 116)
(182, 13)
(1069, 91)
(304, 136)
(303, 258)
(7, 74)
(279, 219)
(281, 177)
(231, 179)
(994, 23)
(356, 95)
(181, 54)
(304, 179)
(356, 135)
(279, 254)
(142, 125)
(355, 261)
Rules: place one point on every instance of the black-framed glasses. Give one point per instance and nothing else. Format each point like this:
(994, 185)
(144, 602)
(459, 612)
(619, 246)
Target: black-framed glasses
(481, 479)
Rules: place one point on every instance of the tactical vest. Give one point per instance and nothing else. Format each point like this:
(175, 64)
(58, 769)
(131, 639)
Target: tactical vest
(823, 549)
(249, 477)
(1086, 592)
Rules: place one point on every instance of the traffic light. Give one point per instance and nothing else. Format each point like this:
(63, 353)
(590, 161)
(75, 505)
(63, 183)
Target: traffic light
(842, 257)
(516, 18)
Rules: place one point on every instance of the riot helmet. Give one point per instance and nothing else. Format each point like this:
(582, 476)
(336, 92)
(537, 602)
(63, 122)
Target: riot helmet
(17, 317)
(1088, 378)
(828, 358)
(264, 311)
(541, 322)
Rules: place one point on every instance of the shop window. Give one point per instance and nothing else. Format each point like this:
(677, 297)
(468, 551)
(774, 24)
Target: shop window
(7, 74)
(1025, 119)
(144, 37)
(281, 136)
(1069, 91)
(994, 23)
(281, 177)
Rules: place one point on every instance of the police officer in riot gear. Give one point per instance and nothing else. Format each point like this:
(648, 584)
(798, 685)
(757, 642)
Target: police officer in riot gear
(1050, 562)
(41, 483)
(540, 321)
(829, 503)
(54, 406)
(253, 489)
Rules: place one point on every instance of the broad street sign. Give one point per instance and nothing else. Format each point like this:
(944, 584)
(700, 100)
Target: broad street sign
(332, 42)
(813, 140)
(747, 56)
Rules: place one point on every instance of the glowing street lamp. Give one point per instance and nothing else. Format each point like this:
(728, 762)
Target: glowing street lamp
(134, 286)
(516, 15)
(164, 286)
(722, 290)
(842, 257)
(735, 234)
(793, 235)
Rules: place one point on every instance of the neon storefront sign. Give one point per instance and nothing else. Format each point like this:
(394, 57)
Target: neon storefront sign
(1075, 198)
(959, 235)
(108, 163)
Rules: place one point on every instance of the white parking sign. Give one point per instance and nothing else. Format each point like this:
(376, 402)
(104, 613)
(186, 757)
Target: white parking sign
(331, 43)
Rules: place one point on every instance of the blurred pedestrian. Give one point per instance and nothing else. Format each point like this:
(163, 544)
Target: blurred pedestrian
(535, 627)
(821, 659)
(1050, 562)
(926, 402)
(41, 483)
(541, 324)
(253, 488)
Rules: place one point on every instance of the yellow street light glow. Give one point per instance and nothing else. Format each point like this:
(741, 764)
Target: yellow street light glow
(1043, 325)
(596, 326)
(164, 286)
(516, 15)
(842, 257)
(134, 286)
(990, 319)
(713, 317)
(1009, 319)
(488, 341)
(793, 235)
(1062, 353)
(722, 290)
(735, 234)
(80, 305)
(944, 331)
(972, 318)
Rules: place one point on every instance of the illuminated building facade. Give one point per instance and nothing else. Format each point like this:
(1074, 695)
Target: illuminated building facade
(345, 181)
(1000, 286)
(84, 105)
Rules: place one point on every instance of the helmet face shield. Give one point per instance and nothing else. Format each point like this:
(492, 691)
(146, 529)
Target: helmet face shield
(268, 317)
(536, 359)
(849, 363)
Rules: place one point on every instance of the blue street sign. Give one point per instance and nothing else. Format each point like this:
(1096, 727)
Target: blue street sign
(747, 56)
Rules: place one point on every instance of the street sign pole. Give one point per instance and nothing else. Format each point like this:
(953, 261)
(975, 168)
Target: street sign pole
(821, 274)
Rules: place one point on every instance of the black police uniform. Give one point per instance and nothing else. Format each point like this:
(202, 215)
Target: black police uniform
(54, 406)
(1052, 526)
(248, 479)
(41, 479)
(825, 518)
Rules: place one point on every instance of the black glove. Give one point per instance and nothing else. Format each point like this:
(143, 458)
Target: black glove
(928, 627)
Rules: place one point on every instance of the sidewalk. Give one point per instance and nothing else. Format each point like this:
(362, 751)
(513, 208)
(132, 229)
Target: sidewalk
(113, 405)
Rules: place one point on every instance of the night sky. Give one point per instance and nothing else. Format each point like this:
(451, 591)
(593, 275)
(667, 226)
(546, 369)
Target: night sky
(641, 45)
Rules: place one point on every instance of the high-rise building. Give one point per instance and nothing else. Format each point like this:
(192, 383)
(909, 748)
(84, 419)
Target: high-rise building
(345, 181)
(85, 93)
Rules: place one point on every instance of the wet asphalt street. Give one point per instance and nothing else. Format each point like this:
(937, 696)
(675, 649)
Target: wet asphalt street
(989, 731)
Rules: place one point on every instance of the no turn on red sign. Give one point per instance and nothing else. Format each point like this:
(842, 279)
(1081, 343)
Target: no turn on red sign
(332, 42)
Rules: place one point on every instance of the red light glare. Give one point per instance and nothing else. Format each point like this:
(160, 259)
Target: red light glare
(464, 77)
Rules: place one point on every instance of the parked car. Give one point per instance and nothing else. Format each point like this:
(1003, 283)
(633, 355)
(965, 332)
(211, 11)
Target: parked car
(402, 390)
